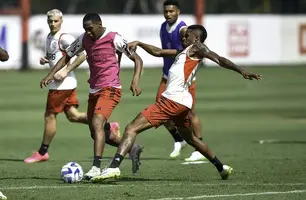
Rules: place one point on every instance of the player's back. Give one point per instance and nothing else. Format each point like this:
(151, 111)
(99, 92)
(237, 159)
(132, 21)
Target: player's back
(55, 47)
(181, 76)
(171, 39)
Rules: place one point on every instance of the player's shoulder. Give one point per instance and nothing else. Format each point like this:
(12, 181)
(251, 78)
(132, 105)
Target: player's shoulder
(163, 25)
(181, 22)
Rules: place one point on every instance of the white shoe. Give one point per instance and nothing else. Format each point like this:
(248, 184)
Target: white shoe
(106, 174)
(94, 171)
(177, 149)
(2, 196)
(195, 156)
(227, 170)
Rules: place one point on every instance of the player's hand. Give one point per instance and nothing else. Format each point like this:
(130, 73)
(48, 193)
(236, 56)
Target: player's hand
(249, 76)
(61, 75)
(133, 46)
(45, 81)
(43, 60)
(135, 89)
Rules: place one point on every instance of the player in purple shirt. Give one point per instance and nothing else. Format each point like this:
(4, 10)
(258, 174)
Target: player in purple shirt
(171, 32)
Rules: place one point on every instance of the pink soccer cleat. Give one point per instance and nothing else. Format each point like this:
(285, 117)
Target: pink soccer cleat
(36, 157)
(115, 128)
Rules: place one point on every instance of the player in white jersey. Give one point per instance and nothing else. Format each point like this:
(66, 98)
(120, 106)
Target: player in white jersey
(176, 101)
(62, 96)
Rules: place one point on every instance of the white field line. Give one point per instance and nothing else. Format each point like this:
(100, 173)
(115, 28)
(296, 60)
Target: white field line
(64, 186)
(234, 195)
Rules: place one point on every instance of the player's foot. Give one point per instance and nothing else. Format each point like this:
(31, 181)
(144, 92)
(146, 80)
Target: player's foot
(227, 170)
(195, 156)
(177, 149)
(36, 157)
(135, 157)
(93, 172)
(107, 174)
(115, 128)
(2, 196)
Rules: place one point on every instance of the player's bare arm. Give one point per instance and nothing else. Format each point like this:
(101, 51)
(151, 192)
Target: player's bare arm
(153, 50)
(137, 72)
(4, 56)
(80, 58)
(201, 51)
(59, 65)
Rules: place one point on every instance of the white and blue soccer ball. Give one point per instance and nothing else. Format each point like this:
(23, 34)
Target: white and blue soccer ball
(72, 172)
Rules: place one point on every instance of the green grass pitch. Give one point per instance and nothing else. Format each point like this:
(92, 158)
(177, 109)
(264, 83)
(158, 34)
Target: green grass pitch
(235, 113)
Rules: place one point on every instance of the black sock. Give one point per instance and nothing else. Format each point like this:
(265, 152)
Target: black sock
(176, 136)
(97, 161)
(217, 163)
(43, 149)
(107, 126)
(195, 149)
(116, 161)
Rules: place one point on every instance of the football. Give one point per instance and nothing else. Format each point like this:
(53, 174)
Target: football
(72, 172)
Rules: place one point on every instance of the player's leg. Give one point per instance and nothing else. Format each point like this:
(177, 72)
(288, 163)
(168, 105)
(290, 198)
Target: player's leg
(100, 106)
(74, 115)
(202, 147)
(179, 143)
(139, 124)
(197, 131)
(54, 106)
(196, 125)
(153, 116)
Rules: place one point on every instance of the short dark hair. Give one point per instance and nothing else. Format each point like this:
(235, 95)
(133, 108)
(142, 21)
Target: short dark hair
(172, 3)
(94, 17)
(200, 28)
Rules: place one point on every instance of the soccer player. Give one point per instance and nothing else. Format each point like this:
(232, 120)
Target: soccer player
(62, 96)
(101, 45)
(171, 32)
(4, 56)
(176, 102)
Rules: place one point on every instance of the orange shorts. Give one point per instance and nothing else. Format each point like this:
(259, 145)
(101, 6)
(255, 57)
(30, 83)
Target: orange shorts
(162, 88)
(103, 102)
(61, 100)
(164, 110)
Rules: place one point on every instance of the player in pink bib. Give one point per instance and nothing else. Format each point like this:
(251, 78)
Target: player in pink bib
(103, 48)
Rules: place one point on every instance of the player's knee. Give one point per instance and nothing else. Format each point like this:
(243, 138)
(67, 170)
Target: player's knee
(72, 117)
(49, 117)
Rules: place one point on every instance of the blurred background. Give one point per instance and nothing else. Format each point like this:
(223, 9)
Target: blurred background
(239, 29)
(155, 6)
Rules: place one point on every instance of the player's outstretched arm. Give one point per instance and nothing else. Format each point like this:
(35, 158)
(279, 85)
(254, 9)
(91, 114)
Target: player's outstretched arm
(153, 50)
(4, 56)
(202, 51)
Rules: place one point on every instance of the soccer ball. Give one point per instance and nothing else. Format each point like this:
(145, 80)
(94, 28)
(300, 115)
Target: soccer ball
(72, 172)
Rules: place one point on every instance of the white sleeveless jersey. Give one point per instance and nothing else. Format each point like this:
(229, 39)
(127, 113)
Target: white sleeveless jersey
(181, 75)
(55, 46)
